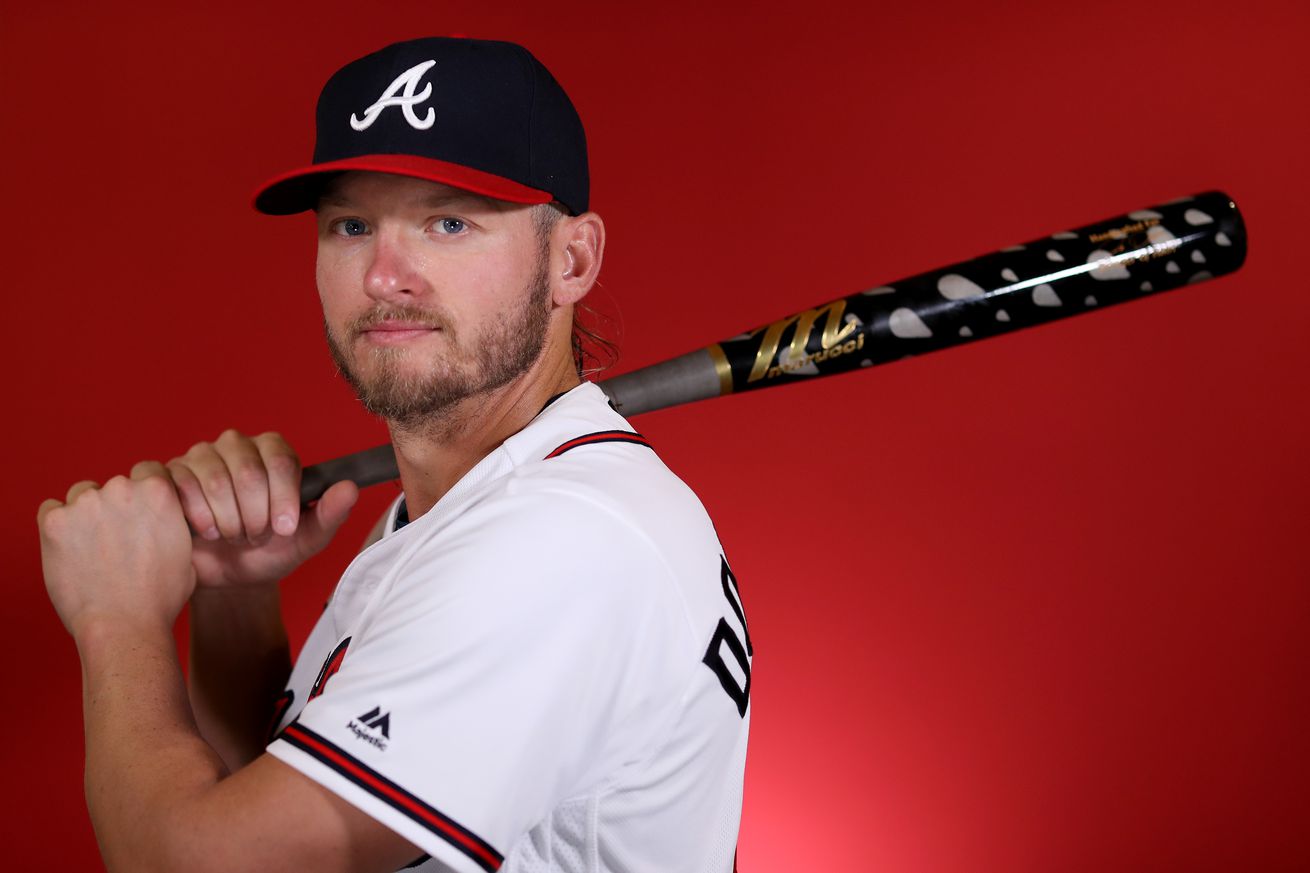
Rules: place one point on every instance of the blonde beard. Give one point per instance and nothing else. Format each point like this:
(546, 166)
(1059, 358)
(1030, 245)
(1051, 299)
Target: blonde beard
(502, 351)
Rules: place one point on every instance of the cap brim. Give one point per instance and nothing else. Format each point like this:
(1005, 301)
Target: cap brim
(298, 190)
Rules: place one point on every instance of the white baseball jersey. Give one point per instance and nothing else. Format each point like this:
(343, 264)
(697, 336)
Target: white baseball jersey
(547, 671)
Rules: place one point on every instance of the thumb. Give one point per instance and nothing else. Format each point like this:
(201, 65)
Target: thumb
(318, 526)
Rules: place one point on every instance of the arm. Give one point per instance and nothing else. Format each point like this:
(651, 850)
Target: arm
(118, 567)
(242, 496)
(240, 662)
(157, 793)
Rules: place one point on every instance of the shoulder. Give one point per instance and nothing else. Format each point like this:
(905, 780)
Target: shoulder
(535, 539)
(580, 510)
(584, 458)
(619, 487)
(564, 519)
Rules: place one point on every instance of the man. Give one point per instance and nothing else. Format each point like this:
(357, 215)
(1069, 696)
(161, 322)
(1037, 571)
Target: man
(540, 659)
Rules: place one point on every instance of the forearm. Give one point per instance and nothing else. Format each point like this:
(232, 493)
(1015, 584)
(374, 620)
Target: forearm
(240, 662)
(145, 758)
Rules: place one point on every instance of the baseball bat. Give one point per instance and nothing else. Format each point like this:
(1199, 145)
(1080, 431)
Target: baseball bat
(1123, 258)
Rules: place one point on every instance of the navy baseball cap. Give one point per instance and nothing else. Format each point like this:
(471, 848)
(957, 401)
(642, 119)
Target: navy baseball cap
(484, 116)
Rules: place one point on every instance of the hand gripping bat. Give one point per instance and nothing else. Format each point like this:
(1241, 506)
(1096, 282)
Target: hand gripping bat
(1124, 258)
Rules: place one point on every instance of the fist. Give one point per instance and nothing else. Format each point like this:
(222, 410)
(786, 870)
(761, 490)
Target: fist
(241, 496)
(120, 552)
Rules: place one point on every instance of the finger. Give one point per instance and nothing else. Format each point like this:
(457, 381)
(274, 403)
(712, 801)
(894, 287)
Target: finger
(319, 526)
(78, 488)
(146, 469)
(249, 479)
(44, 509)
(335, 505)
(194, 505)
(216, 488)
(283, 467)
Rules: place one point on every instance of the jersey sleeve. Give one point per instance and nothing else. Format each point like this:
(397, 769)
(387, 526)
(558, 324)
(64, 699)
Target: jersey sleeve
(512, 662)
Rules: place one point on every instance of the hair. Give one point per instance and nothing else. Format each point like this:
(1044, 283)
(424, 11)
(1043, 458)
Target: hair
(593, 352)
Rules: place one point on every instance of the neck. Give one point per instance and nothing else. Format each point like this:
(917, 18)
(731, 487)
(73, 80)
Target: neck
(433, 455)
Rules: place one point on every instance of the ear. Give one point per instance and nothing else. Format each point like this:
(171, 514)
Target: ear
(578, 244)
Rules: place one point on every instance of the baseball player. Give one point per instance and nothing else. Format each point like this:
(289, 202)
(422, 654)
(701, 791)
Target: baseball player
(538, 662)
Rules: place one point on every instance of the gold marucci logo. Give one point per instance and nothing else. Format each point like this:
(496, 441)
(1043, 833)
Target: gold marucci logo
(835, 340)
(1125, 231)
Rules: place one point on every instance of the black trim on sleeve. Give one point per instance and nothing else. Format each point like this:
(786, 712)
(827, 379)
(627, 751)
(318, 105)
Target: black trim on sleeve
(359, 773)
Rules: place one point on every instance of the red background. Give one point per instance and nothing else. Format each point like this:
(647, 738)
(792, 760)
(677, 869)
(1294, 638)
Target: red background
(1033, 604)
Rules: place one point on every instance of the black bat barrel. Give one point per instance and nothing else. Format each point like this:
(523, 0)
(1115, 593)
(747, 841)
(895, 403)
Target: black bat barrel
(1123, 258)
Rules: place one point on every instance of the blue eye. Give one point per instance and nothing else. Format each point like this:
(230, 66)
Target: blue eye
(351, 227)
(450, 225)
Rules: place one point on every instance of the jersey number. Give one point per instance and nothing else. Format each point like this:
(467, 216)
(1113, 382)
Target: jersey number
(725, 635)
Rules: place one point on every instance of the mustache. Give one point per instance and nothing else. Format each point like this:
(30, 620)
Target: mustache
(382, 314)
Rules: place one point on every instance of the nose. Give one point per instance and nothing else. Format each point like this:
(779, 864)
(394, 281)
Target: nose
(393, 274)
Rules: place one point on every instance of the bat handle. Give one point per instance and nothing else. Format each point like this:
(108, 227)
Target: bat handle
(369, 467)
(697, 375)
(661, 385)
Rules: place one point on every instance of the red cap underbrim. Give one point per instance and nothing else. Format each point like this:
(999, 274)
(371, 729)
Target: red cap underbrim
(297, 190)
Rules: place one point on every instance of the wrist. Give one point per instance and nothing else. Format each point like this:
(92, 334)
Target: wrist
(101, 631)
(237, 595)
(223, 615)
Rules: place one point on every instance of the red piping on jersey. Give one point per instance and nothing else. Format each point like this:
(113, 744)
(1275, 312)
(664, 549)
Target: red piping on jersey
(279, 711)
(603, 436)
(330, 668)
(382, 787)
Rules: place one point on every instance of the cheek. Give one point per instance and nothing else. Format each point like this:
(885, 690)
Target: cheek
(493, 294)
(502, 280)
(332, 283)
(321, 275)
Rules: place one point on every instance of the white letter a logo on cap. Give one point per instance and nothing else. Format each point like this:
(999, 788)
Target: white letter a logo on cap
(407, 80)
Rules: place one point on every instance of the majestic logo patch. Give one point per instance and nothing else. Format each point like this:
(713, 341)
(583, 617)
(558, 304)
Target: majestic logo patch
(393, 96)
(372, 727)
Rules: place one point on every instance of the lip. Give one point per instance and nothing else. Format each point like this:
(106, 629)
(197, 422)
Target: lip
(397, 331)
